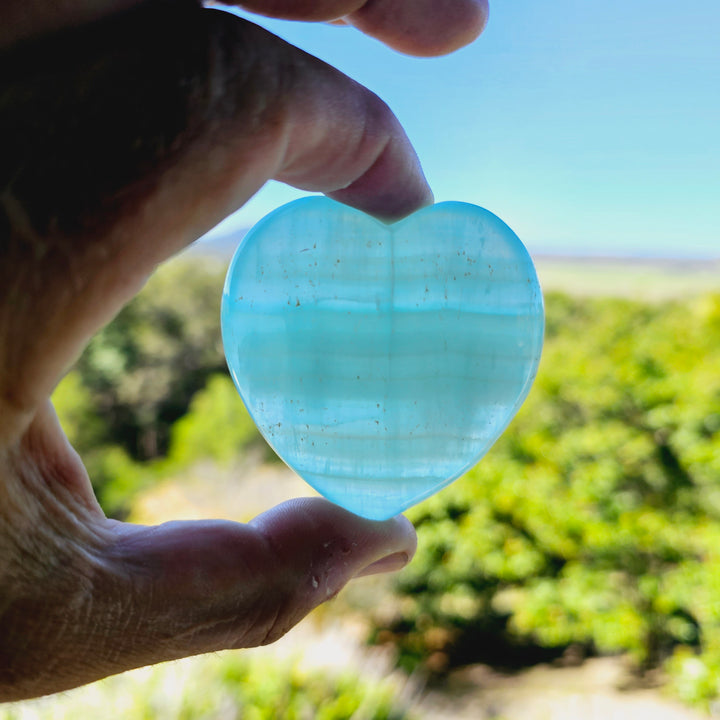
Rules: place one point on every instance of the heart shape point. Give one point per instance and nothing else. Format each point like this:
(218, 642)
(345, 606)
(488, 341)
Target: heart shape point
(379, 361)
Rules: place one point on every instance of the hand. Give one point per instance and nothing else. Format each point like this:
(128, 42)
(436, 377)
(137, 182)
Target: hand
(128, 130)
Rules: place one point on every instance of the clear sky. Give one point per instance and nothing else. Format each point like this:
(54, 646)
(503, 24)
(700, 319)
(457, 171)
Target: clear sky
(589, 127)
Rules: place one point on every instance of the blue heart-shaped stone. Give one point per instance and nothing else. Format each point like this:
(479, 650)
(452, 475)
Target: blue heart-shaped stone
(381, 361)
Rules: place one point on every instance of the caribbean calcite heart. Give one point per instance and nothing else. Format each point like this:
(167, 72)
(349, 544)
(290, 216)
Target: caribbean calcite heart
(381, 361)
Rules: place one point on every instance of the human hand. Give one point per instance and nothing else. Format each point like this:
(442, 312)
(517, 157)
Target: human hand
(128, 130)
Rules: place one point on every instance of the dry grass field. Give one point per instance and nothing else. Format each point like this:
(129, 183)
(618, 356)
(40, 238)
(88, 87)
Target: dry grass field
(332, 638)
(635, 278)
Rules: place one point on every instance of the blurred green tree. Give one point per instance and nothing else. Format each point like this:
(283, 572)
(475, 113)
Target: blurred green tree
(217, 425)
(142, 369)
(76, 412)
(224, 686)
(137, 378)
(114, 474)
(594, 521)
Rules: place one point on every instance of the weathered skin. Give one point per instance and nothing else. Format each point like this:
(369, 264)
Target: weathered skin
(129, 129)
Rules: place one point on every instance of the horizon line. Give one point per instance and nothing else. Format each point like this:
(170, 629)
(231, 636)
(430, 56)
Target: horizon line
(218, 246)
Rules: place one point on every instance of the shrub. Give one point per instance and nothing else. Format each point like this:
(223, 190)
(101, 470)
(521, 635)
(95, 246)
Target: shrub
(594, 521)
(217, 425)
(230, 686)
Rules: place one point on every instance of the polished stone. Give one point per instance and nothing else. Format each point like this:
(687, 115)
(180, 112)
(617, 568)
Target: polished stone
(381, 362)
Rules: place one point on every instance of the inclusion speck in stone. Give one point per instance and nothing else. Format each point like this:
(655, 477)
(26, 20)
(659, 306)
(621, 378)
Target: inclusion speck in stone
(379, 361)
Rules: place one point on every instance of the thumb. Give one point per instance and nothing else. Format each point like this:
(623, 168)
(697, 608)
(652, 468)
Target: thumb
(185, 588)
(221, 585)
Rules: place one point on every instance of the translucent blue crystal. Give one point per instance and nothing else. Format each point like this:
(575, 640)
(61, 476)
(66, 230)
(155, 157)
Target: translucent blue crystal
(381, 361)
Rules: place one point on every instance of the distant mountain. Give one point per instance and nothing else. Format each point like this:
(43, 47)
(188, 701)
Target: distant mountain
(218, 248)
(565, 264)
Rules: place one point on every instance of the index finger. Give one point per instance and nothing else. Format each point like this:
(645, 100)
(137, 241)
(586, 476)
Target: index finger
(416, 27)
(123, 150)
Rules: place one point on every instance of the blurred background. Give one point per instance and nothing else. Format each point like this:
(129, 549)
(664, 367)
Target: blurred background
(575, 572)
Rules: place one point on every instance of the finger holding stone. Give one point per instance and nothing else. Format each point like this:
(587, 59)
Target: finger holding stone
(415, 27)
(159, 143)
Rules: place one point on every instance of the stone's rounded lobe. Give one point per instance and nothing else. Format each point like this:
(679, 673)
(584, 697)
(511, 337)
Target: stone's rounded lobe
(381, 361)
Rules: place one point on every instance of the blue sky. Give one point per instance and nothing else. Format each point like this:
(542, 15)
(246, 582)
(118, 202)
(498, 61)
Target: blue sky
(589, 127)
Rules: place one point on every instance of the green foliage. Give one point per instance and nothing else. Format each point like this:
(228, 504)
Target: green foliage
(142, 369)
(116, 477)
(76, 413)
(266, 694)
(230, 686)
(595, 520)
(216, 426)
(125, 404)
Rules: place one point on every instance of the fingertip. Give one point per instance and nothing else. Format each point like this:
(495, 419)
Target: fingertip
(483, 14)
(424, 28)
(393, 562)
(393, 187)
(360, 154)
(325, 540)
(406, 531)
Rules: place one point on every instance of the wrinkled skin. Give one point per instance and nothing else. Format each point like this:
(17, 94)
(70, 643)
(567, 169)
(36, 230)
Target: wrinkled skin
(128, 130)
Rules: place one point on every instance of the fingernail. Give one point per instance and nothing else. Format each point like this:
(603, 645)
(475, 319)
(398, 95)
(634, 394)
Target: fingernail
(388, 564)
